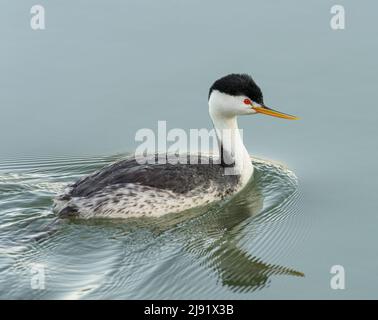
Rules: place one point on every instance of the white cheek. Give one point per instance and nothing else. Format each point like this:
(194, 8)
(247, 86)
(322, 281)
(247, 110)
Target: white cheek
(226, 105)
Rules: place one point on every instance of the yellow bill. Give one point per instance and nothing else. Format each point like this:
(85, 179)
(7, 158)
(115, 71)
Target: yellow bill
(274, 113)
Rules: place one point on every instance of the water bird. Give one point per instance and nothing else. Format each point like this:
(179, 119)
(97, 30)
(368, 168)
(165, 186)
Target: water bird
(128, 188)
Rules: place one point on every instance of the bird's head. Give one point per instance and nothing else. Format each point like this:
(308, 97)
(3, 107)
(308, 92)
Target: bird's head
(238, 94)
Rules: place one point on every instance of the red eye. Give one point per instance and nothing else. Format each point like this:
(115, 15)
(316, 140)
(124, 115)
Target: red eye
(247, 101)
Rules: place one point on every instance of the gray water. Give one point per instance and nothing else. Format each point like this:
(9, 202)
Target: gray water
(73, 96)
(228, 248)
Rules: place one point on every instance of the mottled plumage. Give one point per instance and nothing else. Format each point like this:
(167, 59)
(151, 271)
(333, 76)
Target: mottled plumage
(128, 188)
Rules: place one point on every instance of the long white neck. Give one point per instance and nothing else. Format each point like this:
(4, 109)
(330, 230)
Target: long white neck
(232, 148)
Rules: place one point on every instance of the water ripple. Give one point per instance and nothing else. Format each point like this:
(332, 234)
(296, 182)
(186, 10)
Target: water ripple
(228, 249)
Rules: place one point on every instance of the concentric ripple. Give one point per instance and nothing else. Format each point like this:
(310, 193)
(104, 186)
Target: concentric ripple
(224, 250)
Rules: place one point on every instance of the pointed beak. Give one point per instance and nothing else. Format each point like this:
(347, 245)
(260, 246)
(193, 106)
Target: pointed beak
(270, 112)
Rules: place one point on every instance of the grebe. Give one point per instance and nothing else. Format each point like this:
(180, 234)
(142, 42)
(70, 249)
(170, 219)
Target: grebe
(128, 188)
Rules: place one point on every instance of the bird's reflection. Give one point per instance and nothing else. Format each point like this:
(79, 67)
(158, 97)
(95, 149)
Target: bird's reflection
(236, 267)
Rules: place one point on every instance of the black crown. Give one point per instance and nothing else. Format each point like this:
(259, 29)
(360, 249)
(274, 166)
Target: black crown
(238, 85)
